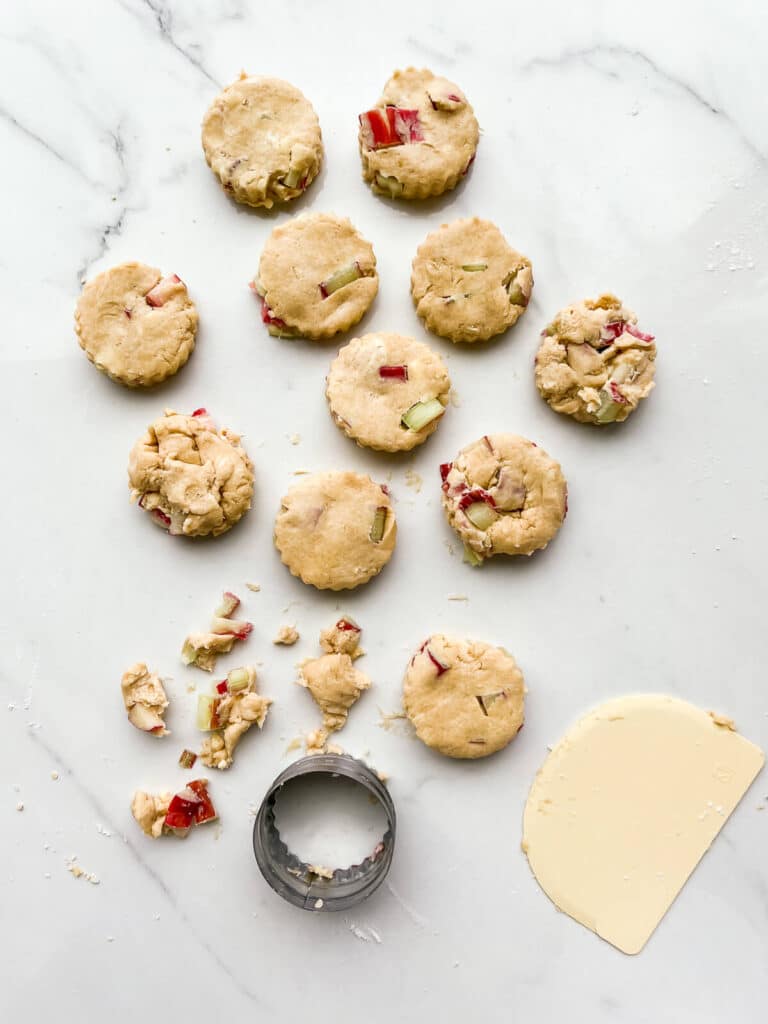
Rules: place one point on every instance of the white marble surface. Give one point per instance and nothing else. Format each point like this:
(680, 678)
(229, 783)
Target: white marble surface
(624, 148)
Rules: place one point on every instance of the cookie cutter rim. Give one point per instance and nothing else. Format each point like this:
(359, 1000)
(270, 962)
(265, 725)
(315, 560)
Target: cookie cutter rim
(295, 880)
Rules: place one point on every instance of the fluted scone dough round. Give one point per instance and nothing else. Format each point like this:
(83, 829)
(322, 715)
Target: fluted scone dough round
(192, 478)
(514, 485)
(327, 527)
(369, 405)
(317, 277)
(135, 325)
(467, 283)
(593, 363)
(261, 138)
(465, 698)
(449, 130)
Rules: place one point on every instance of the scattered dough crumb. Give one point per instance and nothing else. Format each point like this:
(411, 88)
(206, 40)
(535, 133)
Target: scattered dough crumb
(335, 685)
(342, 638)
(149, 810)
(320, 871)
(413, 479)
(396, 722)
(54, 776)
(19, 806)
(287, 636)
(449, 546)
(145, 699)
(229, 716)
(294, 439)
(255, 587)
(454, 398)
(318, 904)
(295, 744)
(77, 872)
(458, 597)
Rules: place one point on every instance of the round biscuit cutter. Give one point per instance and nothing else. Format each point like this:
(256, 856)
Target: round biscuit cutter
(299, 883)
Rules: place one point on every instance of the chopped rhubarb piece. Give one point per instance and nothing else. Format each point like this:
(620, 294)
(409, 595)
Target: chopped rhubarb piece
(481, 515)
(608, 409)
(182, 812)
(471, 557)
(422, 413)
(474, 267)
(231, 627)
(631, 329)
(292, 178)
(204, 810)
(616, 394)
(518, 295)
(238, 679)
(392, 126)
(394, 372)
(439, 666)
(128, 313)
(200, 412)
(442, 100)
(229, 604)
(379, 522)
(445, 469)
(268, 318)
(477, 494)
(339, 278)
(613, 330)
(208, 712)
(146, 719)
(222, 686)
(345, 625)
(188, 653)
(162, 291)
(160, 517)
(187, 759)
(388, 183)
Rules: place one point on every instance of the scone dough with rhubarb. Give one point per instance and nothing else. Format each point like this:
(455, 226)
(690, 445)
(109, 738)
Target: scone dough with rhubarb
(228, 714)
(317, 277)
(145, 699)
(421, 137)
(335, 530)
(465, 698)
(261, 138)
(192, 479)
(593, 363)
(135, 325)
(335, 685)
(387, 391)
(468, 283)
(503, 495)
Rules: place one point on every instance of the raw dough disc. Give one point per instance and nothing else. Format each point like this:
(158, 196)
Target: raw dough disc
(504, 495)
(375, 380)
(261, 138)
(593, 363)
(467, 283)
(626, 805)
(465, 698)
(135, 325)
(190, 477)
(434, 140)
(335, 530)
(317, 277)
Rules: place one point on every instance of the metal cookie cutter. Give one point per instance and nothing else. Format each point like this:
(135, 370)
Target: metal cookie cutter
(296, 881)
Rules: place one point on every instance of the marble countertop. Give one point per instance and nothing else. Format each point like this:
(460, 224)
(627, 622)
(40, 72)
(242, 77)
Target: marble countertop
(624, 148)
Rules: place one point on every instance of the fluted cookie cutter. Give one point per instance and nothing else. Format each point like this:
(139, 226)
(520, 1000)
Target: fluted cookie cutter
(299, 883)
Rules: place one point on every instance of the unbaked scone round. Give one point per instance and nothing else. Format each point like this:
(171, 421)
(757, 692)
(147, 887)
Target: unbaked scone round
(503, 495)
(135, 325)
(317, 277)
(193, 479)
(420, 139)
(261, 138)
(465, 698)
(387, 391)
(593, 363)
(467, 283)
(335, 530)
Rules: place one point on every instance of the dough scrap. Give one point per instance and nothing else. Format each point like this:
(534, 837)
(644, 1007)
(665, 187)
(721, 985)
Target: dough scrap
(135, 325)
(450, 133)
(301, 296)
(202, 649)
(465, 698)
(368, 406)
(193, 479)
(625, 806)
(287, 636)
(343, 637)
(145, 699)
(519, 490)
(327, 527)
(593, 364)
(236, 711)
(468, 283)
(261, 138)
(335, 685)
(149, 810)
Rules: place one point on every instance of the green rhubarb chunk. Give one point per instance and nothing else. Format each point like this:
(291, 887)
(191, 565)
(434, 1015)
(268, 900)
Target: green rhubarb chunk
(481, 515)
(608, 410)
(238, 679)
(471, 557)
(515, 293)
(379, 523)
(340, 278)
(422, 413)
(473, 267)
(292, 178)
(389, 184)
(206, 712)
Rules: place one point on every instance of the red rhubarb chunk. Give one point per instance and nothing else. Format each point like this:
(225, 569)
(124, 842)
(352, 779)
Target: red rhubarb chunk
(345, 626)
(204, 810)
(613, 330)
(631, 329)
(439, 666)
(616, 395)
(394, 372)
(222, 686)
(182, 810)
(268, 318)
(478, 494)
(200, 412)
(407, 125)
(445, 469)
(160, 516)
(390, 127)
(162, 291)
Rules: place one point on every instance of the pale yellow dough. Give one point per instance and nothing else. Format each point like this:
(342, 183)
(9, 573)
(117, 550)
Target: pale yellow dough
(369, 408)
(525, 489)
(301, 256)
(186, 471)
(465, 698)
(149, 810)
(145, 699)
(468, 283)
(323, 530)
(582, 370)
(417, 170)
(261, 138)
(341, 639)
(335, 685)
(626, 805)
(132, 341)
(236, 713)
